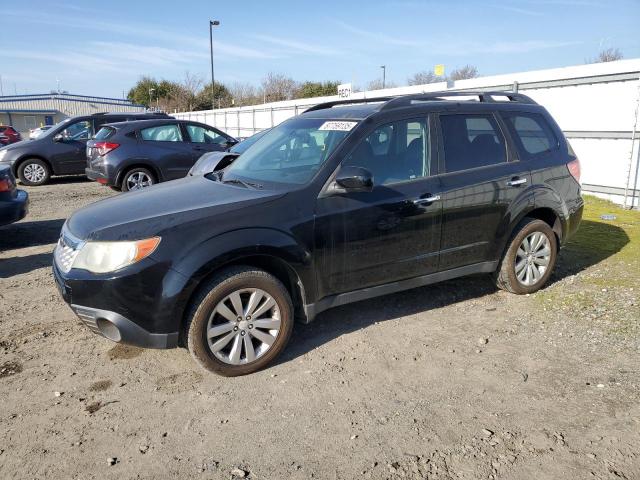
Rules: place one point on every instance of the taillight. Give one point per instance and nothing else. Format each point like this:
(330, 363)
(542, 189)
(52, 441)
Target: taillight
(105, 147)
(574, 169)
(6, 185)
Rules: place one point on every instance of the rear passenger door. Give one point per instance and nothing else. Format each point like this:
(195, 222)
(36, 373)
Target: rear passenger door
(165, 147)
(481, 178)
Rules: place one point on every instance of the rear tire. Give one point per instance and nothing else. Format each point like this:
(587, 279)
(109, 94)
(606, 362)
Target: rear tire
(34, 172)
(240, 322)
(137, 179)
(529, 258)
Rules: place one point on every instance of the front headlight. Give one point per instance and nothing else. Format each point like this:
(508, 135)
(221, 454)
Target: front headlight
(103, 257)
(3, 153)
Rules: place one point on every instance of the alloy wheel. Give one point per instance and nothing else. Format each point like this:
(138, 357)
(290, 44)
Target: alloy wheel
(532, 258)
(243, 326)
(138, 180)
(34, 173)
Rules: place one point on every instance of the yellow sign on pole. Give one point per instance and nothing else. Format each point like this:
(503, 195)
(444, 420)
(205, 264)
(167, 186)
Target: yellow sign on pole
(439, 70)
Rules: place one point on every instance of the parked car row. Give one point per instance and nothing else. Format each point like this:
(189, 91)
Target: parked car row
(346, 202)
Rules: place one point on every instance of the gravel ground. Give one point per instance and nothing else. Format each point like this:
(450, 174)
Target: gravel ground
(452, 381)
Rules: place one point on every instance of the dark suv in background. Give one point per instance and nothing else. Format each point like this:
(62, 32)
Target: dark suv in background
(61, 150)
(348, 201)
(133, 155)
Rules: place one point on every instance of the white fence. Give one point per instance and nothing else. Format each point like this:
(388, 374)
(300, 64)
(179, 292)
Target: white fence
(595, 105)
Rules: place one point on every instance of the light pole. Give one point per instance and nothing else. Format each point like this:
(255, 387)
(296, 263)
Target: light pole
(384, 75)
(212, 23)
(151, 90)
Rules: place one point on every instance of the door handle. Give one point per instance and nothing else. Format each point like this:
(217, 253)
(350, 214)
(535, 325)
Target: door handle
(430, 199)
(516, 181)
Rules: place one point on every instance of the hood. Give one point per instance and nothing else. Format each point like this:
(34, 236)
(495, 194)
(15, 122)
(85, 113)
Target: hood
(21, 143)
(166, 206)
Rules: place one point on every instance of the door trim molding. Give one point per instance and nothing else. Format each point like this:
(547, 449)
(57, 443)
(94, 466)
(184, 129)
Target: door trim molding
(313, 309)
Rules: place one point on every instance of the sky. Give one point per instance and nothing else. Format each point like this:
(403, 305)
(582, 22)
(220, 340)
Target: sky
(103, 48)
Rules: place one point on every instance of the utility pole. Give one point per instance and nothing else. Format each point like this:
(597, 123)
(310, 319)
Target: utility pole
(384, 75)
(212, 23)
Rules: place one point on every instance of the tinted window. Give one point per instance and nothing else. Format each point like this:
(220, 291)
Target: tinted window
(471, 141)
(395, 152)
(78, 131)
(162, 133)
(104, 133)
(200, 134)
(533, 133)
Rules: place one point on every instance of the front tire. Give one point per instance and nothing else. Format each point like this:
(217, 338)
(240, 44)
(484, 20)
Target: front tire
(529, 259)
(240, 322)
(34, 172)
(137, 179)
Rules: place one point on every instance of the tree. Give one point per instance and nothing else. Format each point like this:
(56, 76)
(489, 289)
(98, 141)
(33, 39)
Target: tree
(424, 77)
(464, 73)
(220, 92)
(148, 90)
(608, 55)
(377, 84)
(317, 89)
(244, 94)
(277, 87)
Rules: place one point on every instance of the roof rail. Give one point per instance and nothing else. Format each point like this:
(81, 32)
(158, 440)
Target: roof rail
(322, 106)
(407, 100)
(487, 97)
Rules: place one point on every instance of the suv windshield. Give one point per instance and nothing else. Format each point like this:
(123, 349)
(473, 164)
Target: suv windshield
(290, 153)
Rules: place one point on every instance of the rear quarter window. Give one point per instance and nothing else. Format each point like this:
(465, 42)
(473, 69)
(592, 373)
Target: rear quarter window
(104, 133)
(532, 133)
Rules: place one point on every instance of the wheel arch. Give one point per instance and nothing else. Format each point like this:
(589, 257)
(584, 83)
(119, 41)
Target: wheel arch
(273, 251)
(138, 163)
(25, 157)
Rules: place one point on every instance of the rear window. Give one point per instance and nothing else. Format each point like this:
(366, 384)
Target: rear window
(532, 134)
(471, 141)
(104, 133)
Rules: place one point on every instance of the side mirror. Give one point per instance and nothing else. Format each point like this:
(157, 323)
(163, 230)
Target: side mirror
(354, 179)
(58, 138)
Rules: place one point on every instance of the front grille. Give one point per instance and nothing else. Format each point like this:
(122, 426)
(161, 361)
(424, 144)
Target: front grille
(66, 251)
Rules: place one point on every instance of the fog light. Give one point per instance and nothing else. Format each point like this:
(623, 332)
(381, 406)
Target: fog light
(109, 329)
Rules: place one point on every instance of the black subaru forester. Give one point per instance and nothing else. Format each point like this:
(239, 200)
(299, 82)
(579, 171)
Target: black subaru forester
(348, 201)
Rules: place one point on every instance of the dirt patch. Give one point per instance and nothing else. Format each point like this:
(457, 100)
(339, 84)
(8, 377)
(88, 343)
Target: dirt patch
(124, 352)
(452, 381)
(100, 386)
(10, 368)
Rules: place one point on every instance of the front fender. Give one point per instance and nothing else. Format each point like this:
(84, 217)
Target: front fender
(198, 263)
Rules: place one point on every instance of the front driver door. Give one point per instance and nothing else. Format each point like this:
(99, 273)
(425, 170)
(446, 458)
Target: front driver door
(392, 233)
(69, 149)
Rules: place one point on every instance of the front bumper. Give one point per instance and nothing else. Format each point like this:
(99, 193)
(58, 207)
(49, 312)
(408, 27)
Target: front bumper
(122, 330)
(104, 296)
(14, 209)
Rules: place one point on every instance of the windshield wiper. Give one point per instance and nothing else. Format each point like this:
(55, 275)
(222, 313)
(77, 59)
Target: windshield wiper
(243, 183)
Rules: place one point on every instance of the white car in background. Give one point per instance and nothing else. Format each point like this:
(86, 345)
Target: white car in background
(35, 132)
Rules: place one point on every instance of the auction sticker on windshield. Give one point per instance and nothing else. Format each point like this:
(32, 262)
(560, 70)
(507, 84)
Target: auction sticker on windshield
(338, 126)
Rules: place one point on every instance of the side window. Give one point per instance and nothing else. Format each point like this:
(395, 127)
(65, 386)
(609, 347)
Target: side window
(200, 134)
(532, 133)
(162, 133)
(471, 141)
(78, 131)
(395, 152)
